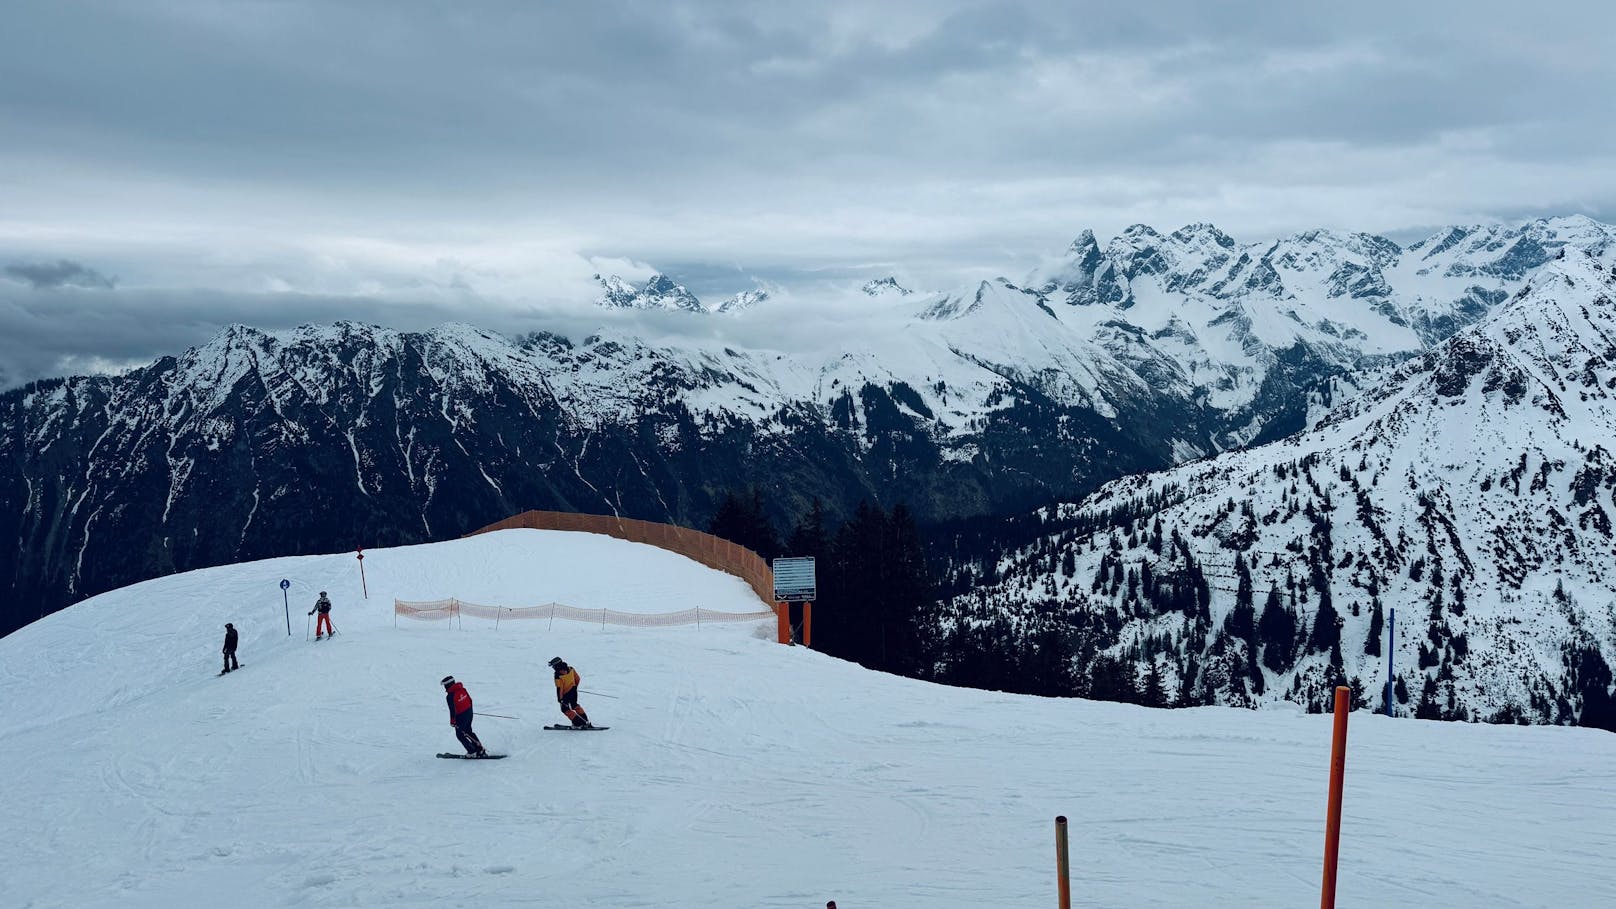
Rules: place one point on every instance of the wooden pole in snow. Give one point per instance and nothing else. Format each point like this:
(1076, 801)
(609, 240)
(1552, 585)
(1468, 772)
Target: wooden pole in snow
(1338, 773)
(1063, 873)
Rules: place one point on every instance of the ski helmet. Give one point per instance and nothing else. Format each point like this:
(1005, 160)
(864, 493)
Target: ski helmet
(228, 625)
(448, 680)
(556, 661)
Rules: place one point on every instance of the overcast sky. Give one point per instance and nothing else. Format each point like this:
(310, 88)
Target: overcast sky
(168, 167)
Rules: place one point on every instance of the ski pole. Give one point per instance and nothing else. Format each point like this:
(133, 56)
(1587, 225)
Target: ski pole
(596, 694)
(500, 715)
(306, 628)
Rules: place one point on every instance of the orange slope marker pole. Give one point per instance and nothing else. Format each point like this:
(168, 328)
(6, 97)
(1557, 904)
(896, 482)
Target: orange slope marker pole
(808, 623)
(1338, 773)
(782, 612)
(1063, 879)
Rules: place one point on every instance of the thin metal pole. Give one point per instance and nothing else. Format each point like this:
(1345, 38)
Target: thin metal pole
(286, 606)
(1391, 642)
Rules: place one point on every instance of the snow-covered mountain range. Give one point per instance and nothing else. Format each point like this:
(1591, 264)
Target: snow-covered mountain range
(1149, 352)
(1471, 491)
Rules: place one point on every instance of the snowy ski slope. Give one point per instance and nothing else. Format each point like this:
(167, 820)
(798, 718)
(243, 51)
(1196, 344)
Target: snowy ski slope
(737, 772)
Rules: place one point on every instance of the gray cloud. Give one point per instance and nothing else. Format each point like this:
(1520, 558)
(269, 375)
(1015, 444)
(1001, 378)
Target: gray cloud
(482, 158)
(61, 273)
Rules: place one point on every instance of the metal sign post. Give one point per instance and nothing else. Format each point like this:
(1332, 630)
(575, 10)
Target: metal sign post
(1391, 641)
(794, 582)
(286, 606)
(360, 554)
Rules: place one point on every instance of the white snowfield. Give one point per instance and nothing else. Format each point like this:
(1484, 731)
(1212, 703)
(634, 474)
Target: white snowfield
(737, 773)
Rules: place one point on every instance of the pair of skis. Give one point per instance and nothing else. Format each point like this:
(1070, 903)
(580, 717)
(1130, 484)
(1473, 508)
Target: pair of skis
(494, 757)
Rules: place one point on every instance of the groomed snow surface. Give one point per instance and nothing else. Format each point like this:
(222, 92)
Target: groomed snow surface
(737, 772)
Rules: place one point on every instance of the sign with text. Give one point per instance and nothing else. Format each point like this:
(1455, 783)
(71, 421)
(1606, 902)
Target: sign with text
(794, 580)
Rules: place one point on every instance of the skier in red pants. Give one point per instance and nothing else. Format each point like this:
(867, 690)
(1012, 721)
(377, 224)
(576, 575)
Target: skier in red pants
(460, 716)
(323, 607)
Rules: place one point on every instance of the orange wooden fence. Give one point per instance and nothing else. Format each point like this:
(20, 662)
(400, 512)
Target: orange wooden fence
(693, 544)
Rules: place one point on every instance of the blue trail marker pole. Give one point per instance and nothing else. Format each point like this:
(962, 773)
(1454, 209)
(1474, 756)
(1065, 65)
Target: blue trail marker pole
(286, 606)
(1391, 639)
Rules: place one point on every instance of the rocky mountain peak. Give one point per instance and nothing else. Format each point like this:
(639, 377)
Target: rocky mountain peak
(658, 292)
(888, 286)
(1202, 233)
(746, 299)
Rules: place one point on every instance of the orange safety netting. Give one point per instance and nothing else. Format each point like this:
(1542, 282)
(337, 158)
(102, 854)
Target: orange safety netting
(432, 610)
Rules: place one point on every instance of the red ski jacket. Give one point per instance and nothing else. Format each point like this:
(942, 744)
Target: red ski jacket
(459, 700)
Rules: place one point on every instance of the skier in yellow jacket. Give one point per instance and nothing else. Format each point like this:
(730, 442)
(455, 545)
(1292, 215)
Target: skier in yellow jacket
(566, 682)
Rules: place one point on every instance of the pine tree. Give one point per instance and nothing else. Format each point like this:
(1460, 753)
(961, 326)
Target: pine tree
(1326, 636)
(1112, 680)
(1151, 693)
(1049, 667)
(909, 592)
(809, 537)
(1428, 708)
(1276, 631)
(1376, 623)
(745, 521)
(1242, 621)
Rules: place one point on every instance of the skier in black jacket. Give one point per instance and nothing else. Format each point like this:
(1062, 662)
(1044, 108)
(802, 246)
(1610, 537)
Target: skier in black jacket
(230, 648)
(323, 607)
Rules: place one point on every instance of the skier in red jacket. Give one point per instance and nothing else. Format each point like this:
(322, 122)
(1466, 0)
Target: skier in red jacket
(460, 716)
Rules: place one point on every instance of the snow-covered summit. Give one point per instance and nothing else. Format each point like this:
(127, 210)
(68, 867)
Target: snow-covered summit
(1509, 251)
(885, 287)
(736, 772)
(658, 292)
(744, 300)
